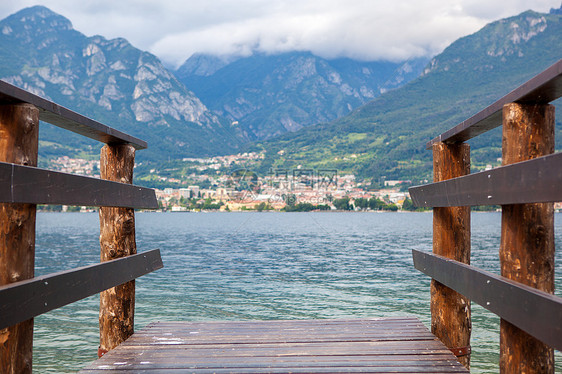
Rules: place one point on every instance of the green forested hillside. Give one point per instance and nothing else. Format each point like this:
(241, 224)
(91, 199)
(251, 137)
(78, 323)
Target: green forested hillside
(387, 136)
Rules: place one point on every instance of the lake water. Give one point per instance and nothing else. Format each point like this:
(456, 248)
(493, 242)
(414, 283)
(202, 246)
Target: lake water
(236, 266)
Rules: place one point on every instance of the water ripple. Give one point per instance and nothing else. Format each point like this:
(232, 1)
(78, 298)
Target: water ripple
(261, 266)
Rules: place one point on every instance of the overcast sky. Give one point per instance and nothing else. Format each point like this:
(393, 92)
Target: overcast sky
(363, 29)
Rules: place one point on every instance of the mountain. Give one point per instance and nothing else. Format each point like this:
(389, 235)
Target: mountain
(387, 136)
(269, 95)
(110, 81)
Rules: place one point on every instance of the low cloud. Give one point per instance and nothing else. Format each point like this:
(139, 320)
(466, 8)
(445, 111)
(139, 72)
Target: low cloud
(362, 29)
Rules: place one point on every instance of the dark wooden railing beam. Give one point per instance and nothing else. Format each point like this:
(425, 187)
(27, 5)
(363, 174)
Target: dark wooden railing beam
(30, 298)
(532, 181)
(541, 89)
(25, 184)
(67, 119)
(537, 312)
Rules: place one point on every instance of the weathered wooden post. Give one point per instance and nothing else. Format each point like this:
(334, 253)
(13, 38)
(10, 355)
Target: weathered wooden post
(527, 235)
(19, 131)
(450, 311)
(117, 239)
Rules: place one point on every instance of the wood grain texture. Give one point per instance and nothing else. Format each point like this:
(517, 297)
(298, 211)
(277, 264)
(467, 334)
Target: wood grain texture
(19, 131)
(117, 239)
(527, 234)
(450, 311)
(398, 345)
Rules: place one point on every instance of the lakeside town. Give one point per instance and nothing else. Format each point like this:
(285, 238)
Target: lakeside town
(212, 185)
(299, 189)
(288, 190)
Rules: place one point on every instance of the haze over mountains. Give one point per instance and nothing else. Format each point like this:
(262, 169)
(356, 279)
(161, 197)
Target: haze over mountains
(302, 109)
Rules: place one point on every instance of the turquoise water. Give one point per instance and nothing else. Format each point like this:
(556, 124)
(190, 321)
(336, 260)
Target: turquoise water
(234, 266)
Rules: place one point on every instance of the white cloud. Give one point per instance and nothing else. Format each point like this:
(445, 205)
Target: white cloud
(365, 29)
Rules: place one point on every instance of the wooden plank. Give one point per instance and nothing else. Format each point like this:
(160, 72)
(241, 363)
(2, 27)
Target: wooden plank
(381, 321)
(234, 326)
(67, 119)
(182, 341)
(26, 184)
(335, 367)
(224, 361)
(201, 347)
(541, 89)
(26, 299)
(381, 324)
(534, 311)
(533, 181)
(444, 358)
(427, 347)
(294, 370)
(289, 326)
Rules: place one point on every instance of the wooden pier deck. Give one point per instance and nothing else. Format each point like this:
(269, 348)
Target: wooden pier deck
(377, 345)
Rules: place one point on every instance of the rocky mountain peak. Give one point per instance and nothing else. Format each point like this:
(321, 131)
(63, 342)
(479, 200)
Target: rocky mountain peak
(271, 94)
(109, 80)
(204, 65)
(496, 43)
(37, 19)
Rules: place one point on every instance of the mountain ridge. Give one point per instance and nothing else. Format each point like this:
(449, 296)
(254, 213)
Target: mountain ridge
(270, 94)
(109, 80)
(131, 90)
(386, 137)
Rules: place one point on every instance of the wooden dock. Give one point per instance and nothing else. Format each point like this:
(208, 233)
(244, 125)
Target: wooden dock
(525, 186)
(377, 345)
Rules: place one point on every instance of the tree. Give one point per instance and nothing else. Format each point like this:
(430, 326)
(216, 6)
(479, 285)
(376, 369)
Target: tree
(391, 207)
(300, 207)
(408, 205)
(342, 204)
(376, 204)
(263, 206)
(361, 203)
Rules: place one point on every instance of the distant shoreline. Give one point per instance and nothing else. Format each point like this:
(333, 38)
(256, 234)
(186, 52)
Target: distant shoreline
(276, 211)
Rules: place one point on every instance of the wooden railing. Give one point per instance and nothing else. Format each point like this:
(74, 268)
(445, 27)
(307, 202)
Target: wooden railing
(23, 185)
(526, 184)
